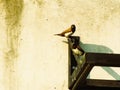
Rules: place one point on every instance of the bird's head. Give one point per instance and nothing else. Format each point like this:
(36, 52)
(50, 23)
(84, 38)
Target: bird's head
(73, 28)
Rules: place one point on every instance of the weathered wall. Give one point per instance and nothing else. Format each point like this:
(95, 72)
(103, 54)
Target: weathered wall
(32, 58)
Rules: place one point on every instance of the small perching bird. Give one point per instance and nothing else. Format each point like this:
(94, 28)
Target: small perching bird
(75, 46)
(77, 49)
(68, 32)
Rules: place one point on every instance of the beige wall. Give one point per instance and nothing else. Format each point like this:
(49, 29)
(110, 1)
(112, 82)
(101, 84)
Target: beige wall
(32, 58)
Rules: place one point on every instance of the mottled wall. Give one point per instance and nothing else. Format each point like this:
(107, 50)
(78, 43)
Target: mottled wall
(11, 11)
(32, 58)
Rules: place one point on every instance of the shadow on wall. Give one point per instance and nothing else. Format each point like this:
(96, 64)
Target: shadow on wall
(95, 48)
(100, 49)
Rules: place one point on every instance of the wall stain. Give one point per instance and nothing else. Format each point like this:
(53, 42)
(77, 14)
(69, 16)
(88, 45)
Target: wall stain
(13, 9)
(59, 2)
(39, 3)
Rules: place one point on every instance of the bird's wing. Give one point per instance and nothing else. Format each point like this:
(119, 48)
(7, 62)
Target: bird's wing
(80, 49)
(66, 31)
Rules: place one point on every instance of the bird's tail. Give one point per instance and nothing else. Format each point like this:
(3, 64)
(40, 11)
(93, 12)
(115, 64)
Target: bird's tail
(59, 35)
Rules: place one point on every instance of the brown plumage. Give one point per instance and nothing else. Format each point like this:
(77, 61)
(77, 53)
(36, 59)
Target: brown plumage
(68, 31)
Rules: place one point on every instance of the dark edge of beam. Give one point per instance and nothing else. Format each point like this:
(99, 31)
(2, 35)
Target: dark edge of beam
(70, 64)
(103, 59)
(103, 83)
(82, 77)
(80, 71)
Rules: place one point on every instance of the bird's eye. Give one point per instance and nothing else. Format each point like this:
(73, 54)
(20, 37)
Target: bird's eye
(73, 26)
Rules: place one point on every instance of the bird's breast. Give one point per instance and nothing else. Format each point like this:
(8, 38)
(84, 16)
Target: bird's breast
(77, 51)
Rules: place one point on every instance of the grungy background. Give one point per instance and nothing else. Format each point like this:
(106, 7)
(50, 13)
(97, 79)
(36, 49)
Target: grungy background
(32, 58)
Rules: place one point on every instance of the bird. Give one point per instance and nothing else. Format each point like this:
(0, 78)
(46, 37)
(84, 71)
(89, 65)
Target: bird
(77, 50)
(68, 32)
(75, 46)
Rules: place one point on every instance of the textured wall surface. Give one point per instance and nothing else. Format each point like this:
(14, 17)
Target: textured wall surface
(32, 58)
